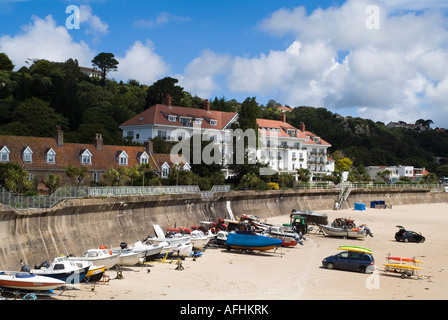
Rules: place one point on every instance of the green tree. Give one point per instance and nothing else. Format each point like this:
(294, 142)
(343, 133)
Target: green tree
(5, 63)
(76, 174)
(158, 90)
(52, 182)
(303, 175)
(105, 62)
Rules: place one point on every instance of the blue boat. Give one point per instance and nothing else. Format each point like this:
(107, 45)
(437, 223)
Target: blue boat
(62, 269)
(248, 241)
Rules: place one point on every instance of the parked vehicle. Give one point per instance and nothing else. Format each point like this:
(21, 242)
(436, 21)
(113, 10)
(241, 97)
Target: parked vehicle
(408, 236)
(351, 261)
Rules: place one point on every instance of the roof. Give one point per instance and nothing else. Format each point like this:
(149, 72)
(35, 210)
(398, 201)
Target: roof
(69, 154)
(158, 114)
(313, 139)
(281, 126)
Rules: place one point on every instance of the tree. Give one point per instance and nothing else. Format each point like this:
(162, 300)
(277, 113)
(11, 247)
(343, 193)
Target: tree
(303, 174)
(5, 63)
(76, 174)
(52, 182)
(105, 62)
(158, 90)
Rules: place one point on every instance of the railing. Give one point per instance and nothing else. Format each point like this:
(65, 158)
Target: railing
(18, 201)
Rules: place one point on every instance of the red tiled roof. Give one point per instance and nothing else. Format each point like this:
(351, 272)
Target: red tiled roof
(158, 114)
(311, 139)
(68, 154)
(277, 124)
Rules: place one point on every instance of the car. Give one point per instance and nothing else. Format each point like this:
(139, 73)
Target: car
(403, 235)
(350, 261)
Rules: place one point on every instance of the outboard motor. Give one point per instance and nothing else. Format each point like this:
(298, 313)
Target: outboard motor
(123, 245)
(25, 268)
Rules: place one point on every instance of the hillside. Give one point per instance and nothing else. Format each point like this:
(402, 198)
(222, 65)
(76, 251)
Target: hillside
(36, 99)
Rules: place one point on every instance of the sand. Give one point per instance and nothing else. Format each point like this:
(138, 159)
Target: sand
(296, 273)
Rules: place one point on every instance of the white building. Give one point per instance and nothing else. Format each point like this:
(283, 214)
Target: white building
(283, 146)
(395, 172)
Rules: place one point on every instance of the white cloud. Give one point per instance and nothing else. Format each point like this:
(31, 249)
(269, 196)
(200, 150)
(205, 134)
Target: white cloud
(199, 76)
(396, 72)
(43, 39)
(94, 24)
(162, 19)
(141, 63)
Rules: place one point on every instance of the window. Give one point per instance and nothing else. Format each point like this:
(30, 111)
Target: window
(86, 157)
(161, 134)
(51, 156)
(172, 118)
(144, 158)
(30, 176)
(4, 154)
(198, 121)
(27, 155)
(96, 176)
(123, 158)
(213, 122)
(165, 172)
(130, 133)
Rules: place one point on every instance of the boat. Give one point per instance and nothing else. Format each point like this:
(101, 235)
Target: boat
(250, 241)
(343, 232)
(95, 273)
(221, 238)
(128, 257)
(151, 251)
(174, 240)
(62, 269)
(404, 259)
(181, 250)
(199, 239)
(20, 280)
(355, 249)
(99, 257)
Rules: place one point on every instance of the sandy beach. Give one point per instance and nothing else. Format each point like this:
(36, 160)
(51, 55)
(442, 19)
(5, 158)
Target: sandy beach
(296, 273)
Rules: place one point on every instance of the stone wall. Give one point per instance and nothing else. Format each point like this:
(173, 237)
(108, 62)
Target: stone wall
(73, 226)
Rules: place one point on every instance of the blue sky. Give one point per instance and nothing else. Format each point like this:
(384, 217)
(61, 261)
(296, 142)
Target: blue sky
(317, 53)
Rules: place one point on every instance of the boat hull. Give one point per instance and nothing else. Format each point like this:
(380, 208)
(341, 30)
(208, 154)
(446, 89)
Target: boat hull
(74, 276)
(29, 282)
(341, 232)
(95, 273)
(251, 242)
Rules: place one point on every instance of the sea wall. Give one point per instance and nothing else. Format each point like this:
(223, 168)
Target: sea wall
(75, 225)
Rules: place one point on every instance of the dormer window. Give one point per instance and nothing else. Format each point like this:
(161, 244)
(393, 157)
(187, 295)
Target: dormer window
(27, 155)
(172, 118)
(4, 154)
(198, 120)
(51, 156)
(86, 157)
(213, 122)
(144, 158)
(123, 158)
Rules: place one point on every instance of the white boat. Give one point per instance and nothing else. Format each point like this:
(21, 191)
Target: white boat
(221, 238)
(19, 280)
(62, 269)
(199, 239)
(99, 257)
(151, 251)
(127, 257)
(175, 240)
(343, 232)
(181, 250)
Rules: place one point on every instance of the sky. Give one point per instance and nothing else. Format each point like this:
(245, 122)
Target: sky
(385, 60)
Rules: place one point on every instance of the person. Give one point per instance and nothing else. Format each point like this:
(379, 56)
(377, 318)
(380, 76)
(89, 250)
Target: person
(368, 232)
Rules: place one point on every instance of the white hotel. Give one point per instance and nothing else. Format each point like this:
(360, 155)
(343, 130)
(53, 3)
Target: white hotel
(283, 146)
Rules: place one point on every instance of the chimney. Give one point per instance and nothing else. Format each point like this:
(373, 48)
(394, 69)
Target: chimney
(149, 147)
(302, 127)
(283, 117)
(59, 137)
(168, 100)
(98, 142)
(206, 105)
